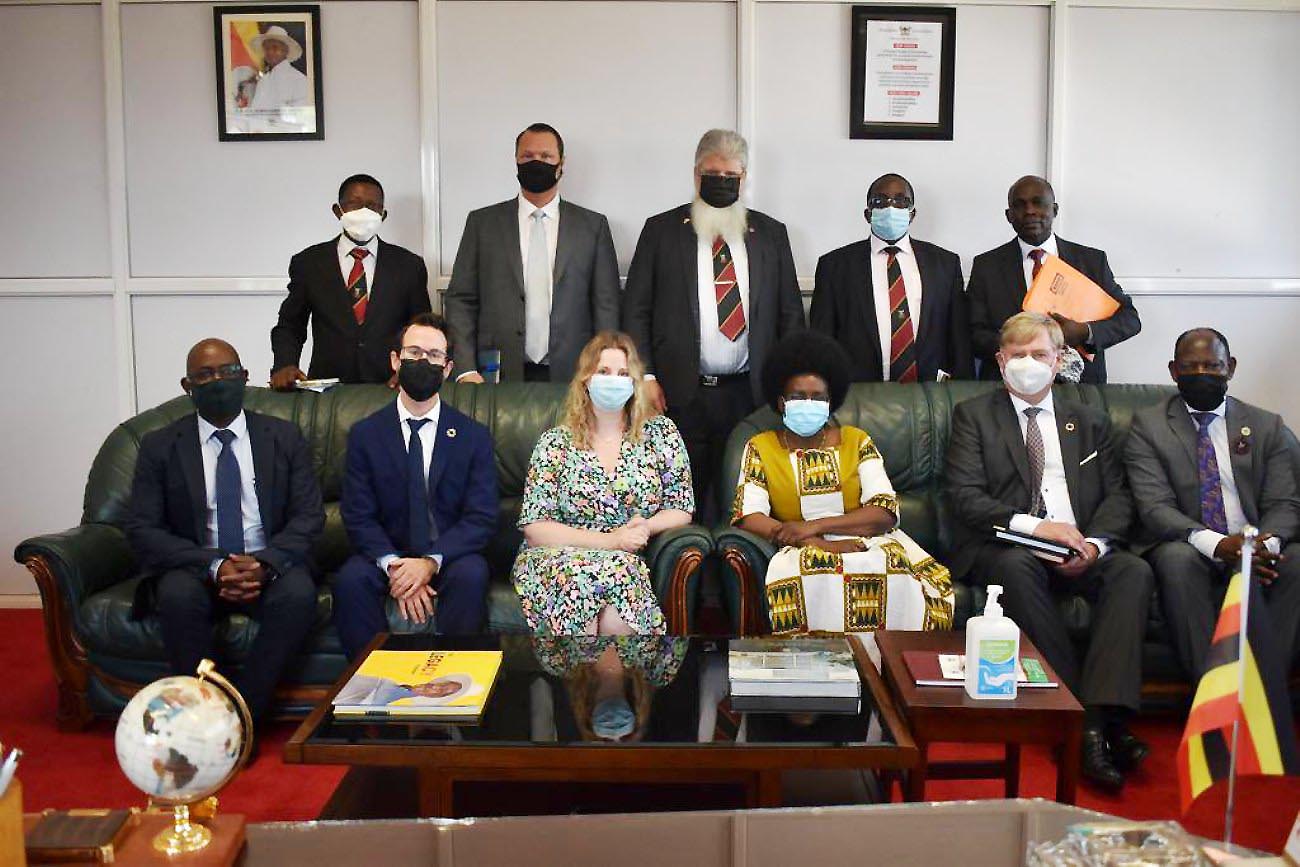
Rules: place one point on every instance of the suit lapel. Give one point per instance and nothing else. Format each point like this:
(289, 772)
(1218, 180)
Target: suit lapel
(1184, 430)
(508, 218)
(687, 248)
(337, 298)
(756, 254)
(395, 440)
(263, 447)
(1237, 423)
(1009, 428)
(861, 276)
(191, 459)
(443, 445)
(1067, 433)
(1013, 270)
(923, 325)
(564, 246)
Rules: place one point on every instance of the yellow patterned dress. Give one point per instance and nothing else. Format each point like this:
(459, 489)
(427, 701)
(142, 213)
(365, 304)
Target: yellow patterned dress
(893, 584)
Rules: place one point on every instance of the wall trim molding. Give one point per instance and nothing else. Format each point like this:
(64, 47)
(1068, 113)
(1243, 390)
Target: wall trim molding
(55, 287)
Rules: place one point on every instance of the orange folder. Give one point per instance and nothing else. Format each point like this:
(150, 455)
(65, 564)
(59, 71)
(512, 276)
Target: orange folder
(1060, 288)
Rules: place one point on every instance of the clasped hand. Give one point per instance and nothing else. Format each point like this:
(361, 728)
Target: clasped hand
(408, 583)
(1085, 553)
(1263, 561)
(240, 578)
(632, 536)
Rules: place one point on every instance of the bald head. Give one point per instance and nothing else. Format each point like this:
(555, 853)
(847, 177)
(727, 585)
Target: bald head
(210, 352)
(1031, 208)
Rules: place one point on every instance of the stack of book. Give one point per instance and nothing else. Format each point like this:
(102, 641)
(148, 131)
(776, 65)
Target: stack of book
(793, 675)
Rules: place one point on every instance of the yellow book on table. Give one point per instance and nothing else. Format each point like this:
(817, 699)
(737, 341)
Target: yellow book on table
(1061, 288)
(446, 685)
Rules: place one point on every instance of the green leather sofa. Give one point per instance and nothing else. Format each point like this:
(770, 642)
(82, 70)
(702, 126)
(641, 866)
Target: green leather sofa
(910, 426)
(87, 577)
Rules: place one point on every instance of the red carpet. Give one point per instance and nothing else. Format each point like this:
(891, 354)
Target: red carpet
(80, 770)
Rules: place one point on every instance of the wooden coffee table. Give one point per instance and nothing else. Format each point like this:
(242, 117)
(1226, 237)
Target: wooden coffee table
(529, 730)
(946, 714)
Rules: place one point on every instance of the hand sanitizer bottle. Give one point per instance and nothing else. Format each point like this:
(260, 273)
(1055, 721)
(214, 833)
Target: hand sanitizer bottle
(992, 649)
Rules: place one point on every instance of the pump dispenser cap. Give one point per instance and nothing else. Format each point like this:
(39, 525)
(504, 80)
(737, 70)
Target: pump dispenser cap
(992, 608)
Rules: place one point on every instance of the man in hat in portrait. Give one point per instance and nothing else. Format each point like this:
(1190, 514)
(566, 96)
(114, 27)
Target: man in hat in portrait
(281, 84)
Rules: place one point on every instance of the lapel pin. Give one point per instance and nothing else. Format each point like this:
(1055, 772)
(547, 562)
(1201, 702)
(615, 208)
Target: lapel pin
(1245, 431)
(1069, 425)
(451, 433)
(685, 220)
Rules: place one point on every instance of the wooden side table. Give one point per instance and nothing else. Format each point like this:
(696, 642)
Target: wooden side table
(946, 714)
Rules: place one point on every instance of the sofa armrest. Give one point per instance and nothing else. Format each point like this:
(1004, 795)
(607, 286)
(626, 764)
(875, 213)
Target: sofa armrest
(744, 556)
(674, 558)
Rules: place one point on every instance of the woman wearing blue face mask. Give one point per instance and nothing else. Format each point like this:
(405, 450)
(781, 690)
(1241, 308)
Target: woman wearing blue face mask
(819, 490)
(600, 485)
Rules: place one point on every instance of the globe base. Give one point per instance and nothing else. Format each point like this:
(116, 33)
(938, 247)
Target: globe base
(183, 836)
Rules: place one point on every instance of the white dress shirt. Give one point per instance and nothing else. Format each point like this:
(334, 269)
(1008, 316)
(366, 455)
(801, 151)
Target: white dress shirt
(718, 355)
(346, 246)
(550, 225)
(880, 280)
(1027, 262)
(282, 87)
(1206, 540)
(210, 447)
(1055, 488)
(428, 438)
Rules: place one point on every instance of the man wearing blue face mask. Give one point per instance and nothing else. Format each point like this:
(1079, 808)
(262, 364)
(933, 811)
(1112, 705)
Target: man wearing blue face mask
(1025, 459)
(356, 291)
(896, 304)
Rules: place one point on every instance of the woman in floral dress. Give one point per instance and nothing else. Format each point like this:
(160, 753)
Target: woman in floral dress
(600, 485)
(819, 491)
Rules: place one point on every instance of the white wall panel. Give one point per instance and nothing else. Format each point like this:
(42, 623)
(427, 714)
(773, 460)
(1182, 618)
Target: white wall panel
(1262, 332)
(54, 175)
(630, 85)
(808, 173)
(166, 326)
(60, 403)
(200, 207)
(1181, 138)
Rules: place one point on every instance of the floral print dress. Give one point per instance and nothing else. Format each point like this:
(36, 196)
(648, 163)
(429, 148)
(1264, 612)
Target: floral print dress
(563, 589)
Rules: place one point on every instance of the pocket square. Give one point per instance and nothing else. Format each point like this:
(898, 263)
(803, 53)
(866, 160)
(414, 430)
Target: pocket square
(1088, 458)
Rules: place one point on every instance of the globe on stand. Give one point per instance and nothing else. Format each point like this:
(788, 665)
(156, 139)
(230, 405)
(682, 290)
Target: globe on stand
(180, 740)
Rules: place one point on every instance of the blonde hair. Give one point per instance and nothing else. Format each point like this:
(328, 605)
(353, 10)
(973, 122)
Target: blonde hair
(1025, 326)
(578, 415)
(637, 690)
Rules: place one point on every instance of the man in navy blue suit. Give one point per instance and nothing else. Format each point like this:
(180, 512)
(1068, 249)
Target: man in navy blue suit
(419, 502)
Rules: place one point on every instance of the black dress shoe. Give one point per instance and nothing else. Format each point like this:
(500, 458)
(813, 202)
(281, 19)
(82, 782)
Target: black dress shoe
(1127, 749)
(1098, 767)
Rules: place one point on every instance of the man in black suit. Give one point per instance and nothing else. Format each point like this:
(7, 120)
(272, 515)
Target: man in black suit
(224, 509)
(1046, 467)
(897, 305)
(356, 290)
(1000, 278)
(1203, 466)
(535, 276)
(710, 290)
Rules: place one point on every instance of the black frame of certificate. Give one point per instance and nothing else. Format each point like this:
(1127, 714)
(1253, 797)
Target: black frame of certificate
(221, 16)
(859, 128)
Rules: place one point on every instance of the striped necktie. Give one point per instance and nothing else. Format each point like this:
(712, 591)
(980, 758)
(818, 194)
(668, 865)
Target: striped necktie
(357, 285)
(902, 341)
(731, 313)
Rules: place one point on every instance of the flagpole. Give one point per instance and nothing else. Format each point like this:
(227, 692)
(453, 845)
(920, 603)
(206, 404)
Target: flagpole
(1249, 535)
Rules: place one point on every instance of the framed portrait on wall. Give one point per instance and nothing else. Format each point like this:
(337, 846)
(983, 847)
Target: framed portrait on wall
(902, 71)
(268, 73)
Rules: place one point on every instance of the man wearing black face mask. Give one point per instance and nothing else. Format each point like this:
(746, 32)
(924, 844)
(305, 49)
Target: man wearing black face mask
(535, 276)
(224, 509)
(1202, 466)
(419, 504)
(710, 291)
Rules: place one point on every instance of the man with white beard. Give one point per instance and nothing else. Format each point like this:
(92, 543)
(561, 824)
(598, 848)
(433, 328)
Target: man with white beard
(710, 290)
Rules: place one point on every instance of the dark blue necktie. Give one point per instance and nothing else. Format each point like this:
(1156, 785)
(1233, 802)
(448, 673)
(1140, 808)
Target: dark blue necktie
(417, 487)
(230, 515)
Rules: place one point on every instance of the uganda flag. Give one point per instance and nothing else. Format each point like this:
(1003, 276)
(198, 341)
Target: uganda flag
(1266, 741)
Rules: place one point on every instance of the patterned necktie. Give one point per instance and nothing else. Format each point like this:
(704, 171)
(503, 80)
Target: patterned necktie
(1213, 514)
(537, 292)
(731, 313)
(230, 514)
(1034, 443)
(1037, 256)
(417, 487)
(357, 284)
(902, 341)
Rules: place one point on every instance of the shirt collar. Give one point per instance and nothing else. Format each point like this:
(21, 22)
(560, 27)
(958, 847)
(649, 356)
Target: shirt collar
(346, 244)
(1220, 411)
(403, 414)
(904, 244)
(1046, 405)
(1048, 246)
(239, 427)
(551, 209)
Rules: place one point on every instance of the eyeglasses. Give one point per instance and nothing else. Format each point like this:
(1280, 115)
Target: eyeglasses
(816, 395)
(879, 201)
(204, 375)
(419, 353)
(721, 174)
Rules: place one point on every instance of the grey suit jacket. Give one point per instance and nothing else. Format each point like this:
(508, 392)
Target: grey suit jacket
(1163, 470)
(484, 303)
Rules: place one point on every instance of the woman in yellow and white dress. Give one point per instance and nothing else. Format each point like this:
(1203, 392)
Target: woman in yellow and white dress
(819, 490)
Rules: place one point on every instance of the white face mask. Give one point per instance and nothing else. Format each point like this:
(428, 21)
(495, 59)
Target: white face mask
(361, 225)
(1026, 375)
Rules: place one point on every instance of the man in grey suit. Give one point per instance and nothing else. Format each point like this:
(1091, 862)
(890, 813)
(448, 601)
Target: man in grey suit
(535, 276)
(1202, 466)
(1039, 464)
